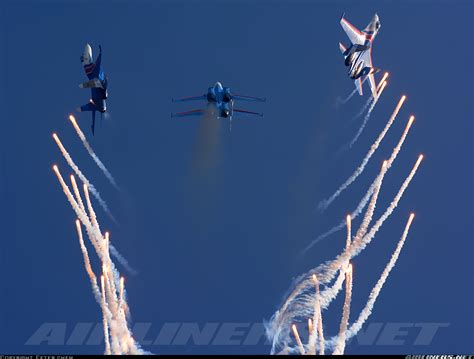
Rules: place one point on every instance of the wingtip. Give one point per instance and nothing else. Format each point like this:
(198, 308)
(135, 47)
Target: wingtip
(78, 109)
(342, 16)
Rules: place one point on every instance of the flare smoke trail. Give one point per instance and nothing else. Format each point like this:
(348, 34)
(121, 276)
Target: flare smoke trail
(362, 110)
(341, 343)
(319, 315)
(340, 101)
(371, 98)
(367, 117)
(298, 339)
(89, 149)
(364, 315)
(365, 199)
(344, 101)
(122, 260)
(385, 76)
(104, 317)
(111, 297)
(300, 303)
(83, 178)
(324, 204)
(87, 264)
(367, 311)
(328, 270)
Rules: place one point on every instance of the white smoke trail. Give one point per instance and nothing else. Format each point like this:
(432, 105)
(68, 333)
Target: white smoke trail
(385, 75)
(87, 264)
(378, 287)
(91, 152)
(77, 194)
(298, 339)
(324, 204)
(117, 334)
(367, 311)
(319, 316)
(105, 316)
(340, 345)
(122, 260)
(362, 110)
(79, 213)
(300, 302)
(328, 270)
(371, 98)
(315, 332)
(83, 178)
(92, 214)
(341, 101)
(367, 116)
(341, 342)
(365, 199)
(344, 101)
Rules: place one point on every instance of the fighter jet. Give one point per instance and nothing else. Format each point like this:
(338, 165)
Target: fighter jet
(358, 56)
(223, 100)
(97, 83)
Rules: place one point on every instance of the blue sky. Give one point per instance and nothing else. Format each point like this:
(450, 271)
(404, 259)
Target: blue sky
(213, 220)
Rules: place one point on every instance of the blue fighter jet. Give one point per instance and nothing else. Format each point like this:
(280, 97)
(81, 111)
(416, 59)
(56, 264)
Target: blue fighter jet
(97, 83)
(223, 100)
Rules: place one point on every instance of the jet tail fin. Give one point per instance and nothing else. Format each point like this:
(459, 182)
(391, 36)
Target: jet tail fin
(373, 86)
(342, 48)
(93, 123)
(358, 85)
(87, 107)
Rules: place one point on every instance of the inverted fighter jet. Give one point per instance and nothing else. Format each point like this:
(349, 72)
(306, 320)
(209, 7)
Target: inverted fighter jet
(358, 55)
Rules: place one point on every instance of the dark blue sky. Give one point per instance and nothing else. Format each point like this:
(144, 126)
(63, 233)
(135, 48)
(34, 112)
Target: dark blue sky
(215, 220)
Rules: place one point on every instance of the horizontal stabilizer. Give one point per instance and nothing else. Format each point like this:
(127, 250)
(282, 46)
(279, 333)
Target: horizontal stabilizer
(87, 107)
(199, 112)
(191, 98)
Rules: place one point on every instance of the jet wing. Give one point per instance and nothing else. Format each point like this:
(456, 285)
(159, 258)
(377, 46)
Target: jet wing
(191, 98)
(198, 112)
(355, 35)
(94, 83)
(248, 112)
(248, 98)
